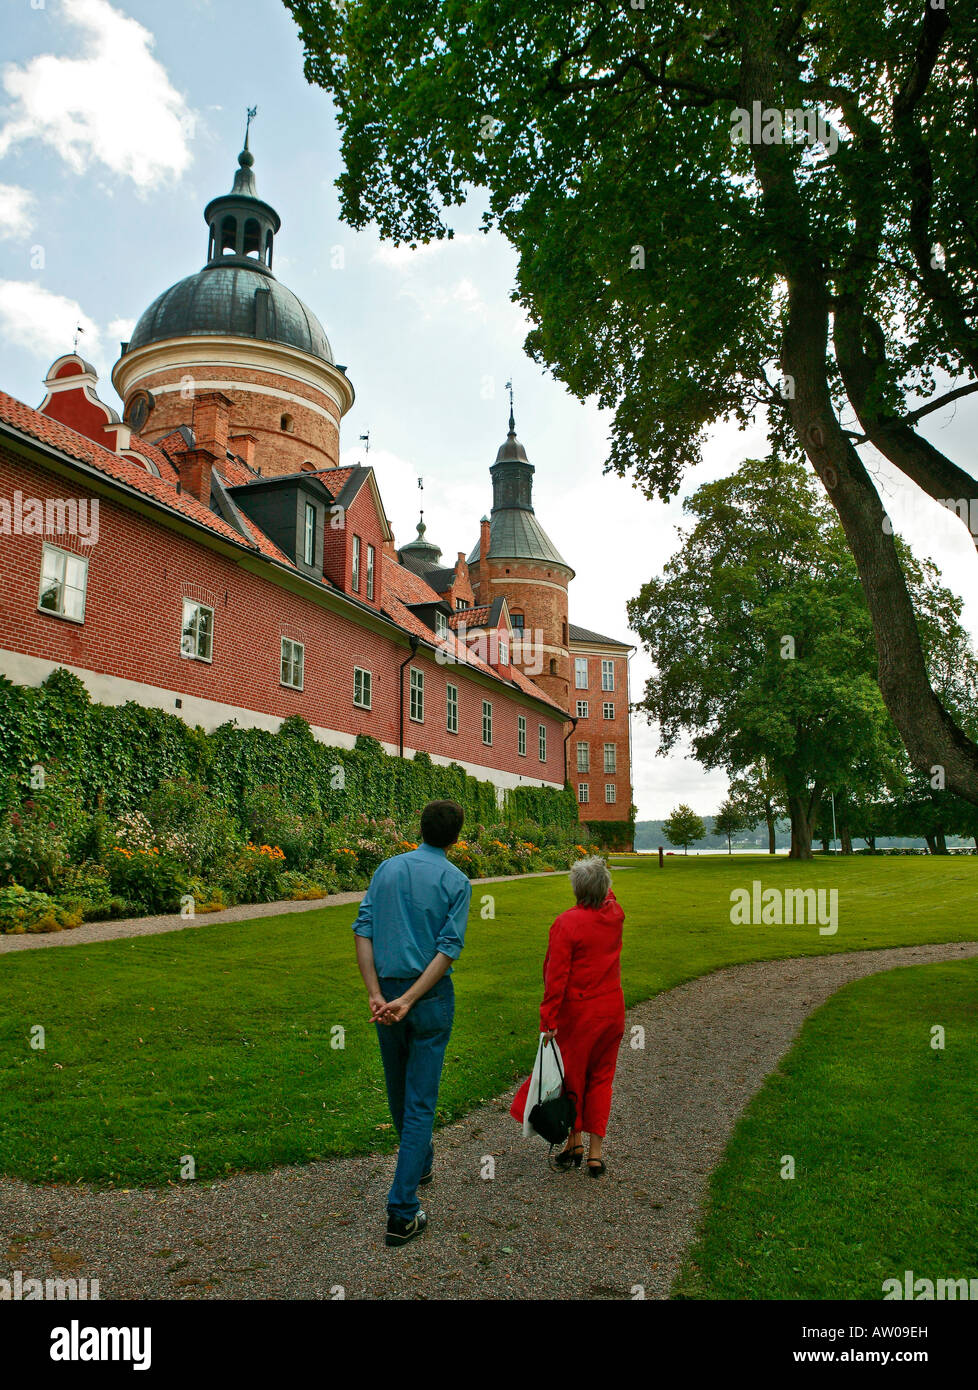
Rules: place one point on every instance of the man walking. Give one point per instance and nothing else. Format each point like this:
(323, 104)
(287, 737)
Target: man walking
(410, 927)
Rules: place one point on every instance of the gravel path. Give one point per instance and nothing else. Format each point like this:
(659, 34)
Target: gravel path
(152, 926)
(529, 1233)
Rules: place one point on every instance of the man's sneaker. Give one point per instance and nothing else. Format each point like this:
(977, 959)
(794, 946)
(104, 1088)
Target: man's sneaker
(399, 1232)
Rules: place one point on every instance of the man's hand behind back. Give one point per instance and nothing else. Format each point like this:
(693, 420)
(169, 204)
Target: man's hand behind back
(394, 1011)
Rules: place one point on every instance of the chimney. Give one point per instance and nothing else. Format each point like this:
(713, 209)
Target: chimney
(194, 468)
(244, 446)
(211, 421)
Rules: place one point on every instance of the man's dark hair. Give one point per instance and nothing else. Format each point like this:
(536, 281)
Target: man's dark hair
(441, 823)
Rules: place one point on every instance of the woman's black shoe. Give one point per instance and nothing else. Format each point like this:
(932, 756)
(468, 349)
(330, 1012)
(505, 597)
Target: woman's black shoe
(569, 1156)
(595, 1167)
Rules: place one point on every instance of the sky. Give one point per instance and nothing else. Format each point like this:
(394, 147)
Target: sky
(119, 121)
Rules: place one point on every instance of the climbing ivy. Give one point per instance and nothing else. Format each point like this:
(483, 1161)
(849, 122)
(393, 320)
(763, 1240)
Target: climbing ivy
(114, 756)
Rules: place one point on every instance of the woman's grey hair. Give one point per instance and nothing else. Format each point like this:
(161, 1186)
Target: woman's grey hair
(590, 881)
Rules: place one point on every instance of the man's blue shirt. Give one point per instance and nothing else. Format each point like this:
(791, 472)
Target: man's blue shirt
(417, 905)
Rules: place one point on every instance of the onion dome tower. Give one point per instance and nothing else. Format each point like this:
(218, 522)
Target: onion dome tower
(232, 327)
(519, 561)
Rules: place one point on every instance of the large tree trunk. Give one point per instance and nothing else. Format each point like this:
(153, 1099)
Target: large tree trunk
(803, 816)
(846, 840)
(941, 841)
(772, 837)
(931, 841)
(930, 735)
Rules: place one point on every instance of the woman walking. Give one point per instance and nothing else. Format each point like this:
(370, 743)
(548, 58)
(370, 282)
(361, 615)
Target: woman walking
(584, 1008)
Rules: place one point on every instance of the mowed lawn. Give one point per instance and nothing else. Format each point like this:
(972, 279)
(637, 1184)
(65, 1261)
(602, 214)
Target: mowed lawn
(881, 1126)
(219, 1041)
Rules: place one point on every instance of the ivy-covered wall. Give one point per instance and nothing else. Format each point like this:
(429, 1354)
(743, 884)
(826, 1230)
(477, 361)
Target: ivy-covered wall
(115, 755)
(611, 834)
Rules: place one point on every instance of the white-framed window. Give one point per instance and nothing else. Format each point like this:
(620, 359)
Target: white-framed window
(487, 721)
(608, 710)
(542, 742)
(309, 538)
(370, 571)
(609, 792)
(451, 708)
(293, 663)
(611, 757)
(64, 583)
(607, 675)
(583, 794)
(580, 672)
(503, 652)
(363, 682)
(584, 757)
(355, 571)
(417, 695)
(197, 634)
(582, 709)
(521, 735)
(461, 603)
(441, 624)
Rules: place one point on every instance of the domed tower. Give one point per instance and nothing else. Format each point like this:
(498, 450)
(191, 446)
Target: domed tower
(233, 328)
(517, 560)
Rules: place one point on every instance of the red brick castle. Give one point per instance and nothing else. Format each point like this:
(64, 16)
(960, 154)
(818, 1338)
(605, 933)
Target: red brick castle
(206, 554)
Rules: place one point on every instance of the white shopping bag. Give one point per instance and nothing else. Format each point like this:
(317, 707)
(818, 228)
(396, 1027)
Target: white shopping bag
(546, 1080)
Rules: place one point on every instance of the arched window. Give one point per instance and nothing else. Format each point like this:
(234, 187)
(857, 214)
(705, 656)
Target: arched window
(553, 666)
(308, 467)
(229, 236)
(268, 249)
(287, 424)
(210, 245)
(252, 238)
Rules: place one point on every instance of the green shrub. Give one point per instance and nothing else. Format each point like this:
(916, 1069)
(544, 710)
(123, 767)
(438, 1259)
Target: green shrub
(22, 910)
(152, 882)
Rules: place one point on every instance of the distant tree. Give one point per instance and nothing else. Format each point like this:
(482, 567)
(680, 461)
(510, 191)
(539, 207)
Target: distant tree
(684, 827)
(727, 821)
(758, 797)
(761, 642)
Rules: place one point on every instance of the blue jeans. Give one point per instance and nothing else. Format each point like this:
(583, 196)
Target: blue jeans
(412, 1052)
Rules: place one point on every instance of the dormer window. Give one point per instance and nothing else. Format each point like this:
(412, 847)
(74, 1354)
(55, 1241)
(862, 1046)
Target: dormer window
(309, 535)
(355, 574)
(441, 624)
(503, 652)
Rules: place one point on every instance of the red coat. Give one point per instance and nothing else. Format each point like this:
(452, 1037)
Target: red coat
(583, 1000)
(583, 958)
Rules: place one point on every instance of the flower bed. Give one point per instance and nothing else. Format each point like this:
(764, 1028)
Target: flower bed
(61, 865)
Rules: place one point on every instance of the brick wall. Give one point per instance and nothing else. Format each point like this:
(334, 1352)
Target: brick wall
(140, 571)
(596, 731)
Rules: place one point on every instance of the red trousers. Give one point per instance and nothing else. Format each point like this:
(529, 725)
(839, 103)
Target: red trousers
(589, 1033)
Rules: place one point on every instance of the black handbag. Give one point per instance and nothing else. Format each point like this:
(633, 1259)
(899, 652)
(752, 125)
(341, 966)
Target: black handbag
(554, 1119)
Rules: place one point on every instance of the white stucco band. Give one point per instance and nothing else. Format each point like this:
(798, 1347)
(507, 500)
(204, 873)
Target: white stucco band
(210, 714)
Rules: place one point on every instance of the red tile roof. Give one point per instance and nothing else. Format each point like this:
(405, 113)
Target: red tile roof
(402, 586)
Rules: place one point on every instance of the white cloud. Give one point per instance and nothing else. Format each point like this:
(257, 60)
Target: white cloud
(406, 257)
(43, 322)
(114, 105)
(121, 329)
(16, 211)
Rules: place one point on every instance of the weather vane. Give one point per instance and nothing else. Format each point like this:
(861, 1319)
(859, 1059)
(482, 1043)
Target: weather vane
(509, 388)
(252, 113)
(78, 329)
(365, 441)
